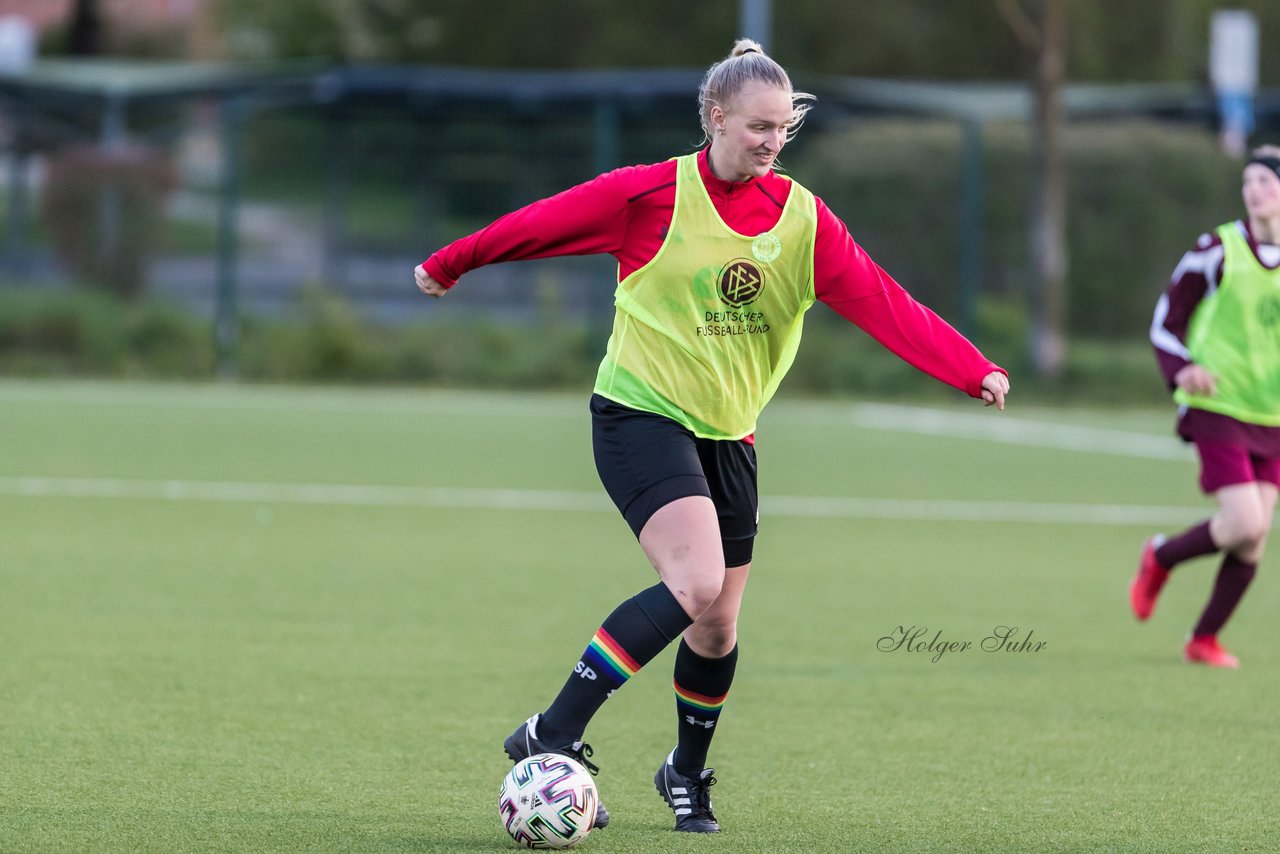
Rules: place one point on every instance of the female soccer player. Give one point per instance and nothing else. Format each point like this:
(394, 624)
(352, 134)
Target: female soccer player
(718, 259)
(1218, 344)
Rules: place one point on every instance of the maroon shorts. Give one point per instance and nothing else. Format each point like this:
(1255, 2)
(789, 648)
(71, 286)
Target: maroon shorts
(1227, 463)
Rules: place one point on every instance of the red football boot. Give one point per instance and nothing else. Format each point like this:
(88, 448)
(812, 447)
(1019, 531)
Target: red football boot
(1149, 580)
(1206, 650)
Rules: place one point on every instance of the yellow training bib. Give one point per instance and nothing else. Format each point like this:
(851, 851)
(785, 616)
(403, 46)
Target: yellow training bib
(705, 332)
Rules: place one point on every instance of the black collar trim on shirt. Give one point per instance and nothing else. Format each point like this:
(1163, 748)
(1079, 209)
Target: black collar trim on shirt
(771, 196)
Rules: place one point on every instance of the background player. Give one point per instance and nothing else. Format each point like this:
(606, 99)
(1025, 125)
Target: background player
(1216, 333)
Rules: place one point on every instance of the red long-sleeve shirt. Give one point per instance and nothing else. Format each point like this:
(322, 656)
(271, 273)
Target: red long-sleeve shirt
(625, 213)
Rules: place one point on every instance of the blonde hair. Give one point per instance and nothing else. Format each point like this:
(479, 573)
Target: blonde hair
(747, 63)
(1266, 151)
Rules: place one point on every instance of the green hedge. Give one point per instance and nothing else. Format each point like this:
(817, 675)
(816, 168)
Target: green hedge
(87, 333)
(90, 332)
(1139, 193)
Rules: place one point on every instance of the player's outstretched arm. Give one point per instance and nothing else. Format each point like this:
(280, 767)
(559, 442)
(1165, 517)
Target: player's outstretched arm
(995, 386)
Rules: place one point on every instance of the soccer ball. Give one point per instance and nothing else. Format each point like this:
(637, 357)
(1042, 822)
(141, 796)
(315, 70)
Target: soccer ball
(548, 801)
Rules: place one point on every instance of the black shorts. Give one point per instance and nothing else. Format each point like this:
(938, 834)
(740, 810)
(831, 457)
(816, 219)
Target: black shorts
(646, 461)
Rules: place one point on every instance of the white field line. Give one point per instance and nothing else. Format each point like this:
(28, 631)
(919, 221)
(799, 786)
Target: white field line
(987, 426)
(814, 507)
(993, 427)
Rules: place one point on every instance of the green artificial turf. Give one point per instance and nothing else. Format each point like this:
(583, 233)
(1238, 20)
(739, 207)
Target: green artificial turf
(211, 665)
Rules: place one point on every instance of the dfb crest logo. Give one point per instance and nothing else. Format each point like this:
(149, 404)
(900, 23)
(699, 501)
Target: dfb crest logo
(741, 283)
(1269, 311)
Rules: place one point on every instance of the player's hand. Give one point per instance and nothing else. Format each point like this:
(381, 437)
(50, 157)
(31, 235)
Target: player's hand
(428, 285)
(995, 386)
(1194, 379)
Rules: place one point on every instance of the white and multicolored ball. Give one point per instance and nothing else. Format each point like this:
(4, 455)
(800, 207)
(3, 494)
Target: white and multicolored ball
(548, 801)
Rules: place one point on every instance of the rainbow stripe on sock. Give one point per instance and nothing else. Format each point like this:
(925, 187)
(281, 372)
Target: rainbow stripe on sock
(699, 702)
(608, 657)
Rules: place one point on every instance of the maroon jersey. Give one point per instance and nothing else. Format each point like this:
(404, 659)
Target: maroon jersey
(625, 213)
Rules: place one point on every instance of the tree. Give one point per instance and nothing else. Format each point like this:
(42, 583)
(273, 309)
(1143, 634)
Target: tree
(85, 35)
(1044, 35)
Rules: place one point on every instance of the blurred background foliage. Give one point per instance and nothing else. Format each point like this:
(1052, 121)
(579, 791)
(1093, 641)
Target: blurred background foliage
(342, 197)
(1111, 40)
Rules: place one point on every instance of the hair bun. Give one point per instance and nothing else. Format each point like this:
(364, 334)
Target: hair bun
(743, 46)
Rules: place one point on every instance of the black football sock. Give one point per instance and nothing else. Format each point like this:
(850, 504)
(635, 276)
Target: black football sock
(701, 685)
(1233, 579)
(633, 634)
(1193, 542)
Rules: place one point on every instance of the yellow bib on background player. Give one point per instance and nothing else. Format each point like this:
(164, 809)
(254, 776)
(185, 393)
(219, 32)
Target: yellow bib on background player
(1234, 334)
(705, 332)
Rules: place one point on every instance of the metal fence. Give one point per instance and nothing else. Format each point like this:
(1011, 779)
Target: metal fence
(234, 190)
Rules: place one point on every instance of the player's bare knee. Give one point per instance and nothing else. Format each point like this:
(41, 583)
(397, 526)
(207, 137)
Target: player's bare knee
(705, 594)
(697, 593)
(713, 638)
(1250, 544)
(1248, 533)
(1255, 539)
(1239, 530)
